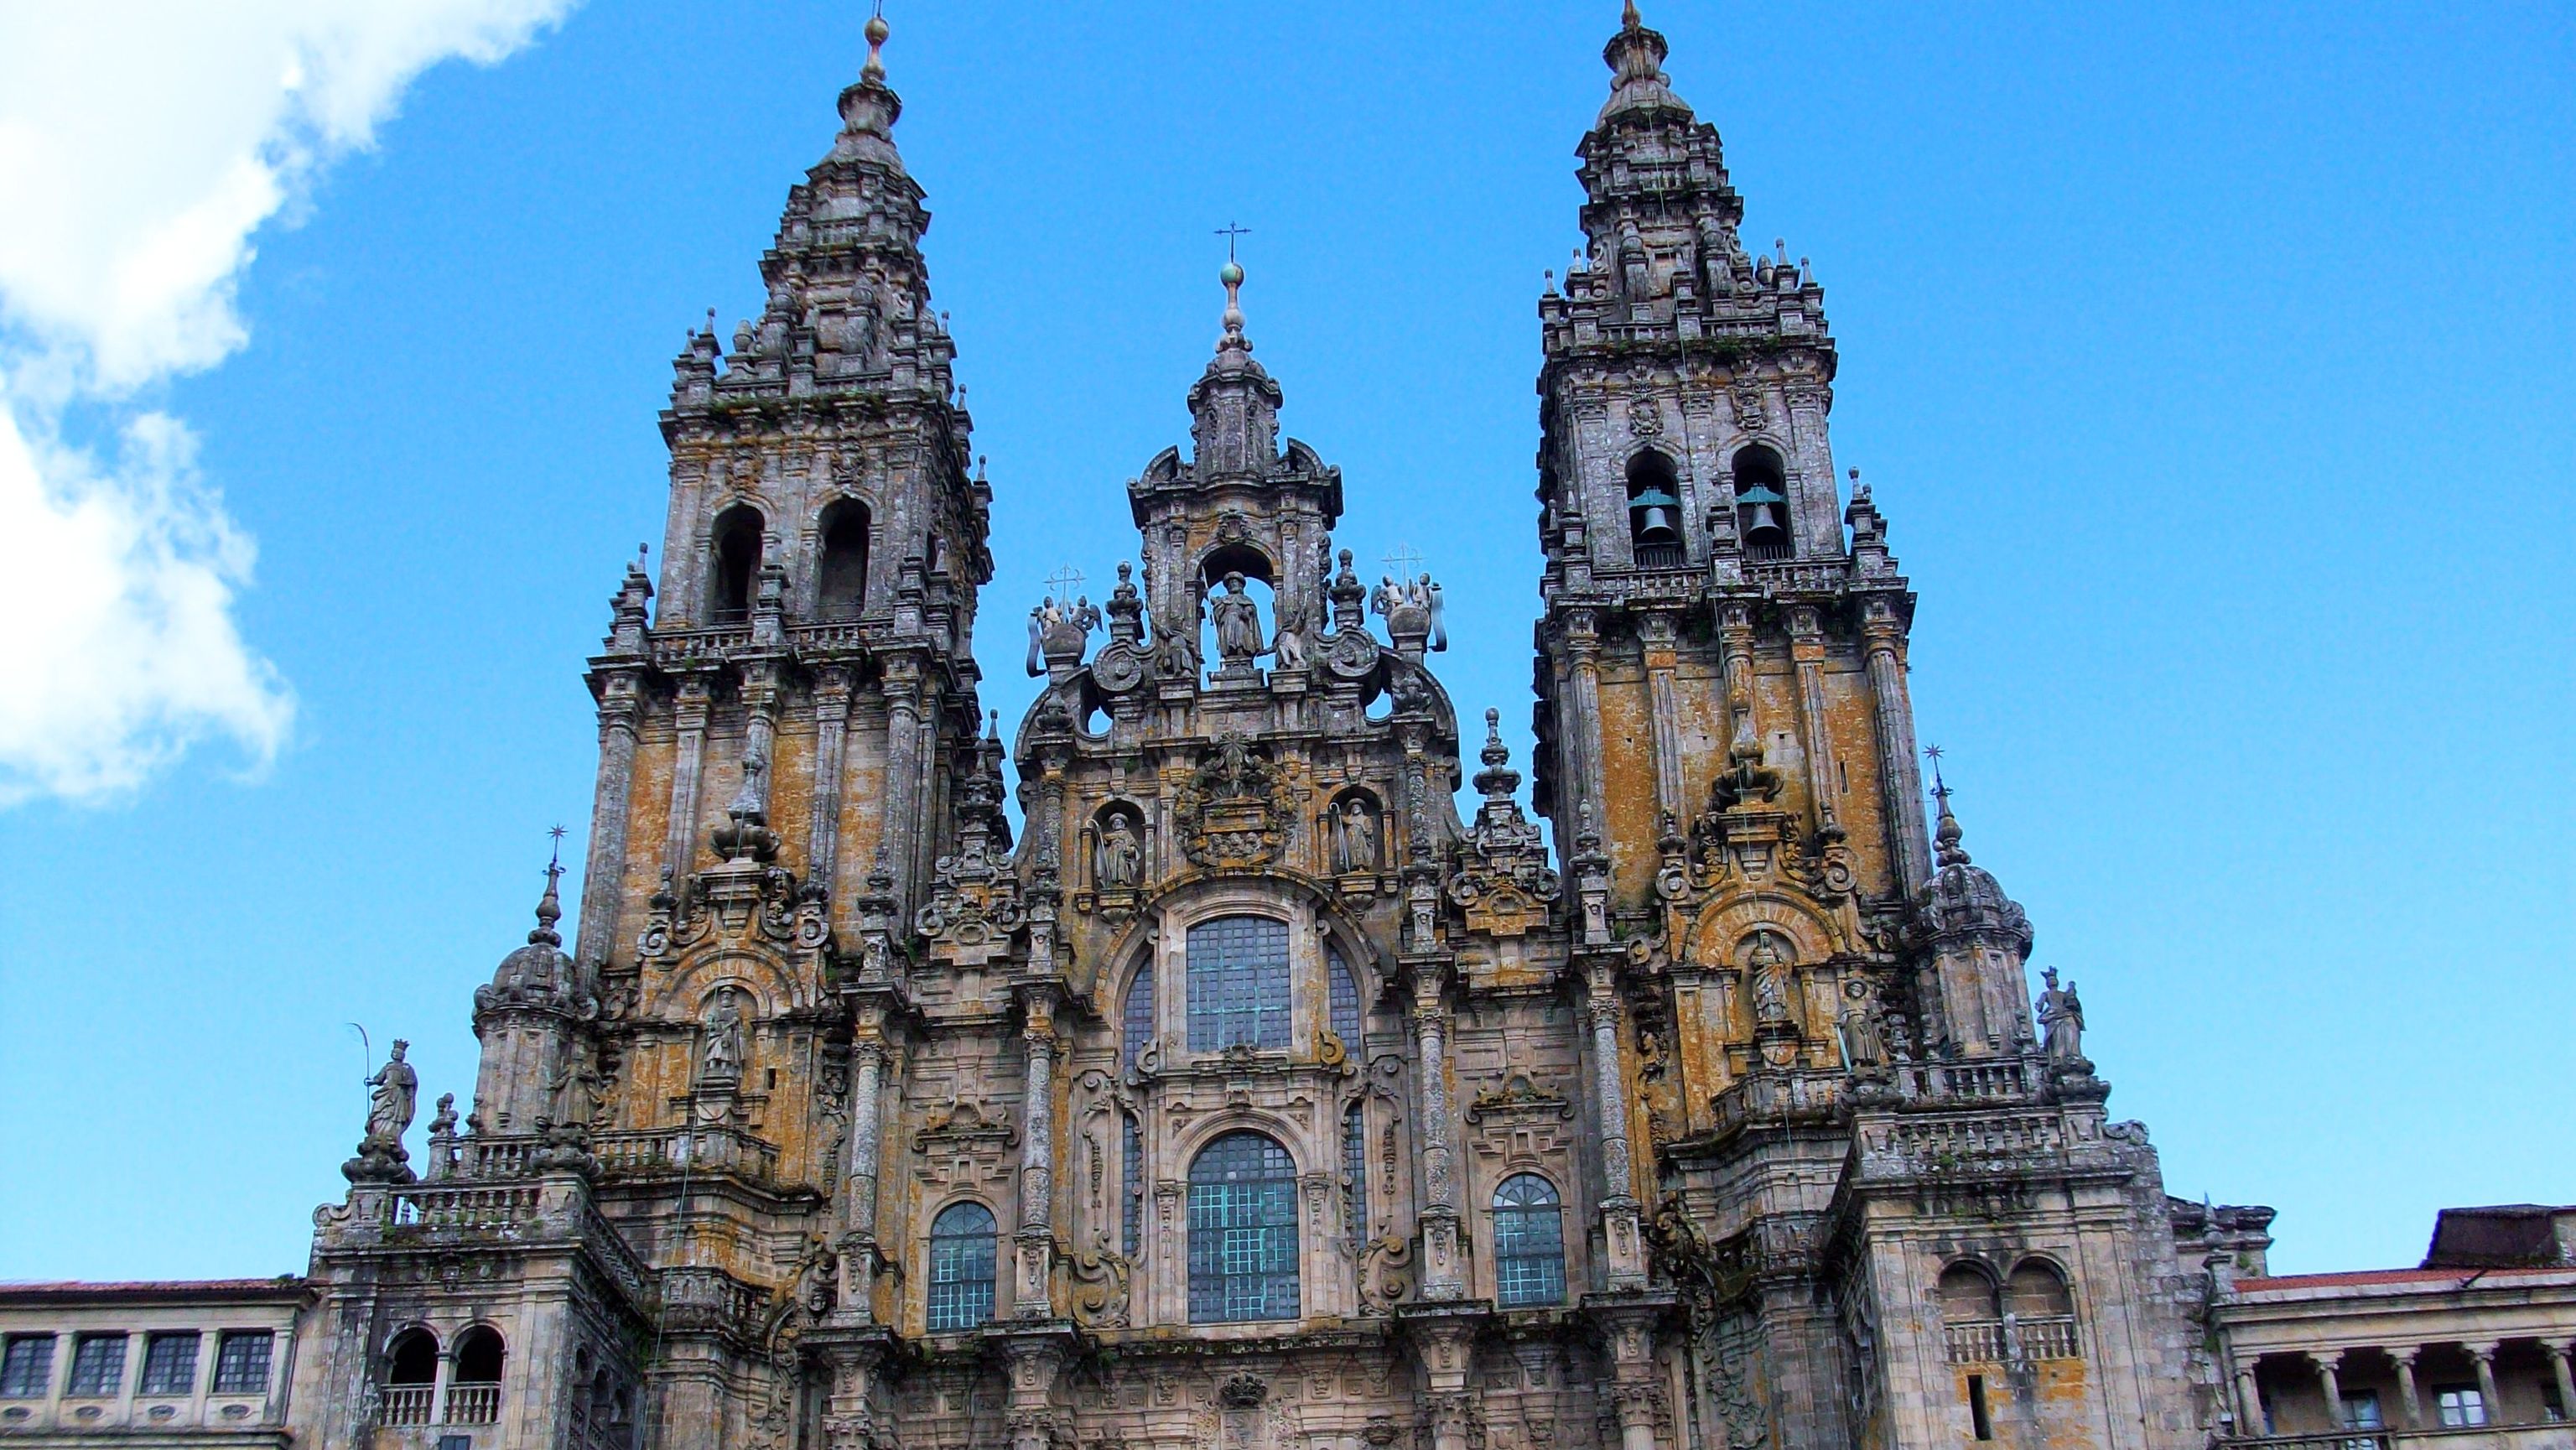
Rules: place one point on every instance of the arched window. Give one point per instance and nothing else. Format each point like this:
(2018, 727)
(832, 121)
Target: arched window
(413, 1360)
(1243, 1231)
(1654, 512)
(1136, 1017)
(1762, 504)
(1345, 995)
(411, 1375)
(841, 584)
(1238, 983)
(1968, 1295)
(474, 1395)
(2037, 1291)
(736, 544)
(1529, 1242)
(961, 1267)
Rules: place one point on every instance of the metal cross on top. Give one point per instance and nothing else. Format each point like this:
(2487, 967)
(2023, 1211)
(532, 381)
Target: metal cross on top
(1404, 562)
(1062, 583)
(1230, 231)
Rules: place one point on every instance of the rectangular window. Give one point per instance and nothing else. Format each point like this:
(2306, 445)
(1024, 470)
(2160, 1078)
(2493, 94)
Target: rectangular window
(2460, 1406)
(170, 1364)
(1979, 1419)
(455, 1442)
(1238, 983)
(241, 1362)
(98, 1366)
(27, 1367)
(2361, 1410)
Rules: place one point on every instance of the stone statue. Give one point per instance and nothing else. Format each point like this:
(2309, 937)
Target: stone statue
(1238, 622)
(2061, 1020)
(395, 1099)
(1119, 858)
(1355, 837)
(1289, 643)
(1770, 994)
(1864, 1035)
(721, 1060)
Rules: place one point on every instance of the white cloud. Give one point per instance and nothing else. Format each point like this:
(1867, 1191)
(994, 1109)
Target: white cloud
(143, 144)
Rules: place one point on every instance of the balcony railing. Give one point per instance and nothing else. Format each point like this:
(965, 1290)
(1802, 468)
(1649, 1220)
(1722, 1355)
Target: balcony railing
(473, 1404)
(405, 1404)
(2001, 1341)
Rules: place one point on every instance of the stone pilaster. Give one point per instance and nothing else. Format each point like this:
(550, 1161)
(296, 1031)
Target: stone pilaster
(1892, 714)
(603, 875)
(1035, 1243)
(689, 716)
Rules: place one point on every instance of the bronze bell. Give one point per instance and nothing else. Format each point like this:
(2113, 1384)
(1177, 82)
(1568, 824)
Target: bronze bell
(1656, 527)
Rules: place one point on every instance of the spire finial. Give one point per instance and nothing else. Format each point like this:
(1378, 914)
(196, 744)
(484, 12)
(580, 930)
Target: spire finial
(550, 905)
(1629, 19)
(1946, 832)
(1231, 274)
(876, 31)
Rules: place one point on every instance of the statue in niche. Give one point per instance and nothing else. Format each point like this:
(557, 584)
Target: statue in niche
(1238, 622)
(395, 1097)
(1864, 1034)
(721, 1059)
(1769, 969)
(2061, 1020)
(1119, 858)
(1355, 837)
(1289, 643)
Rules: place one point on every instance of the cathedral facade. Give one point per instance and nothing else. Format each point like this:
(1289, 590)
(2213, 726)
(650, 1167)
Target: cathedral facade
(1247, 1094)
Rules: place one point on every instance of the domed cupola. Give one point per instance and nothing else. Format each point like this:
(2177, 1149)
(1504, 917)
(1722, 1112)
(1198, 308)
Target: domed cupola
(1975, 1000)
(529, 1018)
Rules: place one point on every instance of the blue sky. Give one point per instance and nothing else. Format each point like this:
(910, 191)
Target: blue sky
(2212, 365)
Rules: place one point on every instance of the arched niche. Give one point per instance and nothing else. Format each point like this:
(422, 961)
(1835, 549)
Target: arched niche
(733, 563)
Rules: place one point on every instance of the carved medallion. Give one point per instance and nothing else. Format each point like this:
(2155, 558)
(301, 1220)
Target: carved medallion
(1236, 808)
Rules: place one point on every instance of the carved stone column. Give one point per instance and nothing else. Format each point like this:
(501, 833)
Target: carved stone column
(680, 842)
(2484, 1353)
(903, 826)
(1735, 648)
(1619, 1208)
(1036, 1241)
(1883, 639)
(2557, 1353)
(603, 873)
(2326, 1381)
(1583, 643)
(2249, 1398)
(760, 724)
(1635, 1390)
(1443, 1273)
(831, 744)
(859, 1181)
(2407, 1392)
(1444, 1347)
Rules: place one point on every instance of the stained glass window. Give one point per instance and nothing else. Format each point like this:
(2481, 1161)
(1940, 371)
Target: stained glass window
(961, 1267)
(1238, 979)
(1243, 1231)
(1345, 1000)
(1136, 1018)
(1529, 1242)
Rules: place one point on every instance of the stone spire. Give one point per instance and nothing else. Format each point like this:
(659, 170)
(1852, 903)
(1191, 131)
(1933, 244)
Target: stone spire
(1234, 407)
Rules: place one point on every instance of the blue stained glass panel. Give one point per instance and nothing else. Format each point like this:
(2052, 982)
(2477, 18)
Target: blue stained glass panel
(961, 1267)
(1238, 983)
(1243, 1231)
(1529, 1242)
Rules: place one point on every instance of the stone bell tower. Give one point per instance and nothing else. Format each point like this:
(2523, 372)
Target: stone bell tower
(1815, 1006)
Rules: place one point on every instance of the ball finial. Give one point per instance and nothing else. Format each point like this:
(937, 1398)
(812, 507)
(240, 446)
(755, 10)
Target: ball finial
(1231, 274)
